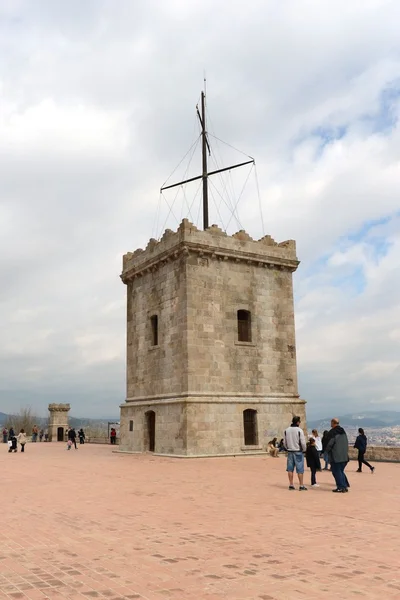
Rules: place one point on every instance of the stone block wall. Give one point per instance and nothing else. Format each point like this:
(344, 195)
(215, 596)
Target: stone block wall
(204, 428)
(154, 370)
(218, 362)
(170, 428)
(219, 425)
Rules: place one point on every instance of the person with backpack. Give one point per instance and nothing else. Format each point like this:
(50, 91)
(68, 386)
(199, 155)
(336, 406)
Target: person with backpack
(361, 446)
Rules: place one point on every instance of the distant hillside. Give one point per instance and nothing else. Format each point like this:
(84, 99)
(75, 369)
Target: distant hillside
(374, 419)
(73, 421)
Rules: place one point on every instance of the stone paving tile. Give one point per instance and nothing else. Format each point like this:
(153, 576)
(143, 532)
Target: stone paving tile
(94, 524)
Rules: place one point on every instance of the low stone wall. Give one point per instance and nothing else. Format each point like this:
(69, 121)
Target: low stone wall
(99, 440)
(378, 453)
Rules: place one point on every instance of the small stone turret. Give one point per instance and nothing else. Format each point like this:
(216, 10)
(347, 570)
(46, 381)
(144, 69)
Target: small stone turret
(58, 422)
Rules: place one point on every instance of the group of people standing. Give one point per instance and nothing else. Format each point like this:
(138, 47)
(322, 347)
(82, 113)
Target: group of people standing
(13, 440)
(71, 438)
(334, 447)
(42, 434)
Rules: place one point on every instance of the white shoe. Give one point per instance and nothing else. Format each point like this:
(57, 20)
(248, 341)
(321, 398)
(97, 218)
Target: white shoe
(315, 485)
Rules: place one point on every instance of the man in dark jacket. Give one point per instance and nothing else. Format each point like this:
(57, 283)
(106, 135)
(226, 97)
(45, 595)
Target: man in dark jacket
(72, 437)
(338, 451)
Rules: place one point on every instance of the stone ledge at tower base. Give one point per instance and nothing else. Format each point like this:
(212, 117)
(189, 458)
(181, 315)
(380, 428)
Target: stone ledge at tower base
(259, 452)
(205, 426)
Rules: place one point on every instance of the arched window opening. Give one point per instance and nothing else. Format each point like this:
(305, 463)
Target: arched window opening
(244, 325)
(154, 330)
(250, 427)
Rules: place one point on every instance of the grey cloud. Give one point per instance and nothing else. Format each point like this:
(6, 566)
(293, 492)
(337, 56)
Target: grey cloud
(69, 209)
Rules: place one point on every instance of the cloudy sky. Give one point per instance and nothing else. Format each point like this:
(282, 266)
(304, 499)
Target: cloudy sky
(98, 107)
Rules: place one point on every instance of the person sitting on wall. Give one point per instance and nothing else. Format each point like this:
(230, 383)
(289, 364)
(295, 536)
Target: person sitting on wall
(272, 449)
(281, 446)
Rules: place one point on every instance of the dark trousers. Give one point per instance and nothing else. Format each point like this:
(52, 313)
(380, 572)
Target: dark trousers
(81, 440)
(339, 475)
(74, 442)
(113, 438)
(22, 447)
(313, 472)
(362, 461)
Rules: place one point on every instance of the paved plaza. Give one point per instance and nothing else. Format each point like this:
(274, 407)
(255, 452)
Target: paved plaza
(94, 524)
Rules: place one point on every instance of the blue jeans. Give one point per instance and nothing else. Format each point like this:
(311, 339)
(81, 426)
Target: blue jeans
(295, 460)
(340, 477)
(326, 459)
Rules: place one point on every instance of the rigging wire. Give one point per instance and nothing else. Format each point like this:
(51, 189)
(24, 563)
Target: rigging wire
(177, 167)
(244, 185)
(219, 214)
(230, 146)
(259, 199)
(195, 196)
(193, 148)
(216, 158)
(154, 230)
(223, 200)
(170, 212)
(223, 181)
(230, 179)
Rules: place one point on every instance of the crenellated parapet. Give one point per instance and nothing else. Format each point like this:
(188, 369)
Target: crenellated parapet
(212, 243)
(59, 407)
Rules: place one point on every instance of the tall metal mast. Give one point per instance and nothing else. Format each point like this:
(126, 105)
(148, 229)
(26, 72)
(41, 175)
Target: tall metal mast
(205, 173)
(204, 155)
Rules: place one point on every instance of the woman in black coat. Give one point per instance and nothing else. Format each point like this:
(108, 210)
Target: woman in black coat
(361, 445)
(313, 461)
(325, 440)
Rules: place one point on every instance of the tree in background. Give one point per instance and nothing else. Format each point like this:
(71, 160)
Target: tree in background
(24, 419)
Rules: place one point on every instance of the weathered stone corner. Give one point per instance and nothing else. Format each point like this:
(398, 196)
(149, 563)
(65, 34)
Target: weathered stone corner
(243, 236)
(267, 240)
(186, 225)
(152, 243)
(168, 233)
(215, 230)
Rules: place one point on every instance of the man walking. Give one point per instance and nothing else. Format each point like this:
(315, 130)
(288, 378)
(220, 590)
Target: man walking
(72, 437)
(338, 451)
(295, 444)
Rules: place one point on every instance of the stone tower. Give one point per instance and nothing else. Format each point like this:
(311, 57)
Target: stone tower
(58, 423)
(211, 355)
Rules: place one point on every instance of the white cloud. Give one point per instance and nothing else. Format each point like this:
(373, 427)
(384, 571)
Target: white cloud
(98, 108)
